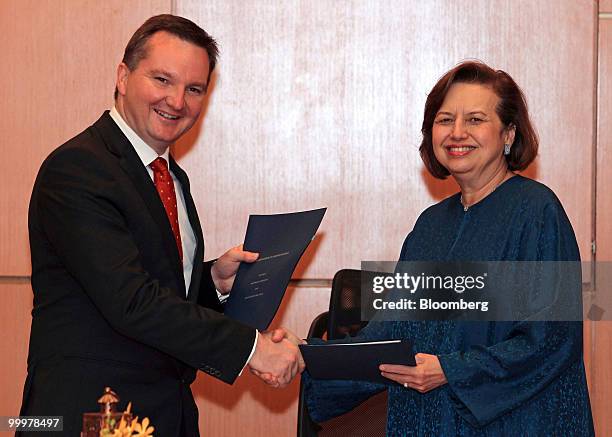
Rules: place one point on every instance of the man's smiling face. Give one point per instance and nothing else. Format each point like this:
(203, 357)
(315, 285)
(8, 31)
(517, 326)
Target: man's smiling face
(162, 97)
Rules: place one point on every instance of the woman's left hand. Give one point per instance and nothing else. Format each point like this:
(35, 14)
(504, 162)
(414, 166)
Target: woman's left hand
(423, 377)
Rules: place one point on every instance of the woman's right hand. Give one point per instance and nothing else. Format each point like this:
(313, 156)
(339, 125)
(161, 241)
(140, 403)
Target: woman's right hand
(425, 376)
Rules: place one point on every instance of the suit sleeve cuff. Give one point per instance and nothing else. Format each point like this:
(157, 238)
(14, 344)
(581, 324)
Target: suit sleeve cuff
(222, 297)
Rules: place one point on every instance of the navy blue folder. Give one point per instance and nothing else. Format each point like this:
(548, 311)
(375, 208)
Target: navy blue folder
(280, 239)
(356, 360)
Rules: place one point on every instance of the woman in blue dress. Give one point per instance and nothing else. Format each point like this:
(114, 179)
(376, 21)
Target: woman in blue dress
(480, 378)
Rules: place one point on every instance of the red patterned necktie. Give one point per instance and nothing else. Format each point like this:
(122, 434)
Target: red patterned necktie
(165, 187)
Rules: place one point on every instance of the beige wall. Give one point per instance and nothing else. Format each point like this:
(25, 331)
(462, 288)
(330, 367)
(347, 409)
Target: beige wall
(313, 104)
(59, 65)
(324, 103)
(15, 326)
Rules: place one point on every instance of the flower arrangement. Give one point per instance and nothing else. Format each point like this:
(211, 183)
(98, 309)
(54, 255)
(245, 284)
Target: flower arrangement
(127, 427)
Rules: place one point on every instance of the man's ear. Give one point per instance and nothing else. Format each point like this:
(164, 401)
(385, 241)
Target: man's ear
(509, 134)
(123, 73)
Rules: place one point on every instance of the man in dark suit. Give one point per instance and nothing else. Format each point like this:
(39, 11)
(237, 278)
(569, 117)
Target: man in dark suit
(122, 297)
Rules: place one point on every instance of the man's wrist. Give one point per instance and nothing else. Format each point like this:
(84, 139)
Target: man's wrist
(252, 352)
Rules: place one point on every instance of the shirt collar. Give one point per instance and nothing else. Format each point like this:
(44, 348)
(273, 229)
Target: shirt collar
(146, 154)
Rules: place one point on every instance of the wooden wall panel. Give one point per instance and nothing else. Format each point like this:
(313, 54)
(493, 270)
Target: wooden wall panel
(320, 104)
(601, 354)
(60, 59)
(604, 144)
(249, 407)
(15, 326)
(605, 5)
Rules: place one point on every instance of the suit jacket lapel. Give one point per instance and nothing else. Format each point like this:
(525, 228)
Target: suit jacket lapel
(119, 145)
(192, 214)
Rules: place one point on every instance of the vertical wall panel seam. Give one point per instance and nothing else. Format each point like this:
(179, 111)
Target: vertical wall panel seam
(595, 150)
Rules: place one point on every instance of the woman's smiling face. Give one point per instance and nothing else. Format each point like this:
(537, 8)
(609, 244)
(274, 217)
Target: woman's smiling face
(468, 137)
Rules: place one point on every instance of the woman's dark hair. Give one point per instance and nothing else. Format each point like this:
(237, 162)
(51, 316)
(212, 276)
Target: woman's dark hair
(511, 110)
(187, 30)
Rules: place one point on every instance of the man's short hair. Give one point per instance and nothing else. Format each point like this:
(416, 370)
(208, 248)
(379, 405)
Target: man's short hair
(187, 30)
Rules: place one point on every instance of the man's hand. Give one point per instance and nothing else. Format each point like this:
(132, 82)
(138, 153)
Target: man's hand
(423, 377)
(279, 334)
(276, 362)
(223, 272)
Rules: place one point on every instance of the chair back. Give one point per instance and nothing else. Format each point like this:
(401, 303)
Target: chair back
(369, 419)
(345, 303)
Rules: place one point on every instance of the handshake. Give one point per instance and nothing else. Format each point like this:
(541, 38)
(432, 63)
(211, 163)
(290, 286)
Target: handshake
(277, 358)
